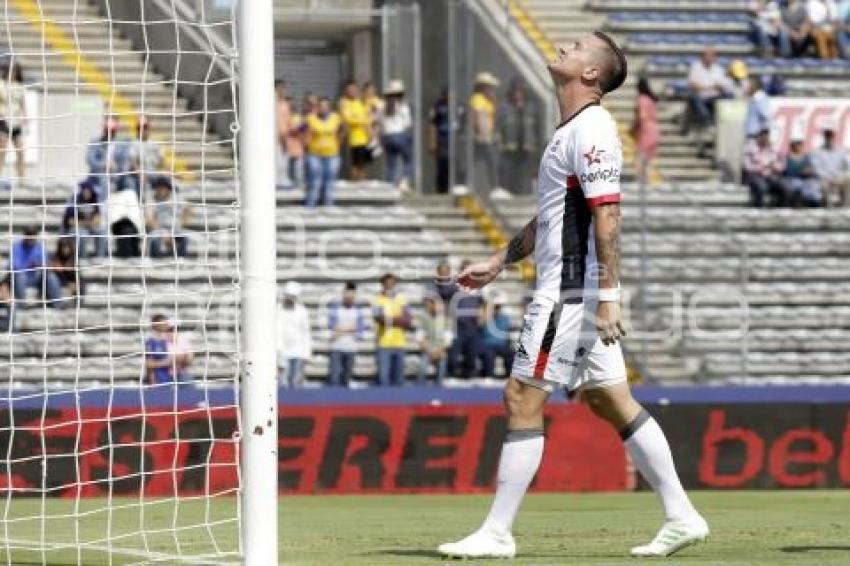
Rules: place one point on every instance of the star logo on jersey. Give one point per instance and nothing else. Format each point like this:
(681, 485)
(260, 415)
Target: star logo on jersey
(594, 156)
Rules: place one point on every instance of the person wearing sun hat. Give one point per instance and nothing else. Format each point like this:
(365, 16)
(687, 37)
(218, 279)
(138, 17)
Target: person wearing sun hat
(397, 134)
(482, 106)
(294, 343)
(739, 74)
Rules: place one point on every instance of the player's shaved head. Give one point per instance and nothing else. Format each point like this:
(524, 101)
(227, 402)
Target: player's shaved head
(612, 62)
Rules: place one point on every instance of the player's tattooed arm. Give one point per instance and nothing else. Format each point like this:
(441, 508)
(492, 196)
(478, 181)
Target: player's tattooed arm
(480, 274)
(606, 219)
(521, 245)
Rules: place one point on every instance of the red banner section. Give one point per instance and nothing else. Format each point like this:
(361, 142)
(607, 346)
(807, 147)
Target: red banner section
(759, 446)
(450, 449)
(325, 449)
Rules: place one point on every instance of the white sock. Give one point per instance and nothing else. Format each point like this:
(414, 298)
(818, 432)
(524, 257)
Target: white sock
(650, 452)
(521, 455)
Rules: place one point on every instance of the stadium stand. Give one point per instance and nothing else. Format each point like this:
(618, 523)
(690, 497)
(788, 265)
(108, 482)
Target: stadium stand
(85, 54)
(707, 254)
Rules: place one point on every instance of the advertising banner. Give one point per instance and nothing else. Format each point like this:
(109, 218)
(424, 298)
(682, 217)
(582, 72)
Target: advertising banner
(322, 449)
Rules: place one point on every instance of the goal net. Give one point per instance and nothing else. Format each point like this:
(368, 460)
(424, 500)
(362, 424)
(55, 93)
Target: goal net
(119, 300)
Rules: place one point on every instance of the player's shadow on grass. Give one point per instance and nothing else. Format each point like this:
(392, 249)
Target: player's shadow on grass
(816, 548)
(424, 553)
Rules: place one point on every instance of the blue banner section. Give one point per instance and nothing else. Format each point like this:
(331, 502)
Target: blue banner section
(189, 395)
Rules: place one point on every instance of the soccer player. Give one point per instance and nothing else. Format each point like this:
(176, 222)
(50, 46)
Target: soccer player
(573, 324)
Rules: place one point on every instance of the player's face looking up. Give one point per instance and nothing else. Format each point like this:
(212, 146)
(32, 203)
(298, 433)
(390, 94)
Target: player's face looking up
(577, 60)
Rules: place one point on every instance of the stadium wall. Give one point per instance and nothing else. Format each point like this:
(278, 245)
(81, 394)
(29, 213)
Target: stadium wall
(413, 440)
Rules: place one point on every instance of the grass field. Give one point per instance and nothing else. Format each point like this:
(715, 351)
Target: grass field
(758, 528)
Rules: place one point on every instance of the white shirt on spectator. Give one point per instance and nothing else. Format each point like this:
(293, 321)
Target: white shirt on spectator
(398, 123)
(709, 81)
(831, 164)
(821, 12)
(768, 15)
(293, 333)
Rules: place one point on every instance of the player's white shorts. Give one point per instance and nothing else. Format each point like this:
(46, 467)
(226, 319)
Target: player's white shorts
(560, 346)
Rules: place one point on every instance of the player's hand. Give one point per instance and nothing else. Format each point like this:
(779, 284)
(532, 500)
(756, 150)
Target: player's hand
(609, 323)
(477, 275)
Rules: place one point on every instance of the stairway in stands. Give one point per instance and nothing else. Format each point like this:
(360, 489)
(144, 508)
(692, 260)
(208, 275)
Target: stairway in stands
(89, 38)
(566, 20)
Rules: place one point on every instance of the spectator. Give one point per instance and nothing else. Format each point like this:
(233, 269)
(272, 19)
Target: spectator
(708, 83)
(126, 223)
(518, 130)
(64, 265)
(438, 140)
(159, 365)
(294, 340)
(397, 128)
(796, 25)
(444, 285)
(434, 337)
(375, 105)
(758, 109)
(181, 353)
(766, 28)
(295, 147)
(465, 309)
(165, 220)
(392, 318)
(324, 129)
(842, 28)
(832, 168)
(7, 310)
(83, 220)
(347, 324)
(822, 18)
(762, 170)
(645, 129)
(801, 184)
(108, 157)
(738, 78)
(146, 162)
(13, 115)
(29, 265)
(358, 124)
(495, 337)
(483, 115)
(284, 126)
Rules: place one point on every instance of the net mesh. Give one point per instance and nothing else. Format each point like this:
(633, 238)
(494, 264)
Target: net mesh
(119, 295)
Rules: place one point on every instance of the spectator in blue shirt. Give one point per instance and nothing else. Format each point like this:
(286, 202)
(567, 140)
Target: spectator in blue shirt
(495, 338)
(108, 157)
(158, 360)
(465, 309)
(29, 266)
(758, 109)
(347, 324)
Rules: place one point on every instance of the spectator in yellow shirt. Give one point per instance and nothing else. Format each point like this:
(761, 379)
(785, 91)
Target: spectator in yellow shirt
(482, 107)
(392, 319)
(324, 132)
(358, 124)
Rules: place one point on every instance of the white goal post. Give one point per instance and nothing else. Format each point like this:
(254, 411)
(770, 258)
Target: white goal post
(259, 273)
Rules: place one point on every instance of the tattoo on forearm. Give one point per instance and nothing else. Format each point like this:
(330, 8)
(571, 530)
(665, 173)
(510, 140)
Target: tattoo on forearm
(607, 223)
(522, 244)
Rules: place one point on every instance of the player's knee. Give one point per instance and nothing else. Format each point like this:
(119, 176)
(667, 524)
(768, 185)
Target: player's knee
(523, 410)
